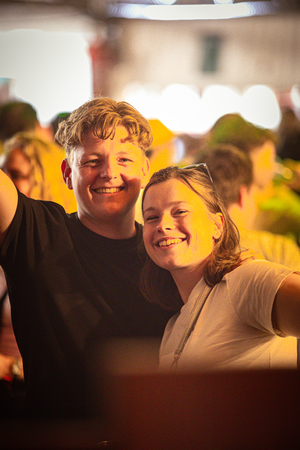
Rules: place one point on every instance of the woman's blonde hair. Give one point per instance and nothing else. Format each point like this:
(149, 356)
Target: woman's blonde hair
(45, 158)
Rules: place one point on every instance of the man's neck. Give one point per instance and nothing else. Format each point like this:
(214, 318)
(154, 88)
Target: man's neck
(112, 229)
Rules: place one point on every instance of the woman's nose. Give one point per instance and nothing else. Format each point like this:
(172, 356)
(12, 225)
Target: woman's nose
(165, 224)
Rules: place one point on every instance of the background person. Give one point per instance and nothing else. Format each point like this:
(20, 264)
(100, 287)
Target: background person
(232, 174)
(288, 148)
(33, 164)
(17, 116)
(193, 246)
(278, 205)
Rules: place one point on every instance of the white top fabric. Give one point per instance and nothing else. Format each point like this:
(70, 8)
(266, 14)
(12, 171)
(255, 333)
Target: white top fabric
(234, 329)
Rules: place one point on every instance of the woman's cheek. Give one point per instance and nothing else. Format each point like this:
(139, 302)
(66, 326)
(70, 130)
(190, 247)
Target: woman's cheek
(147, 239)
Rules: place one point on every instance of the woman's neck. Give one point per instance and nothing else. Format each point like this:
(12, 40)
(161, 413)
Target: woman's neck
(186, 279)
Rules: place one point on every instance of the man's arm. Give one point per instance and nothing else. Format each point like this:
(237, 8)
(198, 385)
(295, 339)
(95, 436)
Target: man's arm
(286, 308)
(8, 204)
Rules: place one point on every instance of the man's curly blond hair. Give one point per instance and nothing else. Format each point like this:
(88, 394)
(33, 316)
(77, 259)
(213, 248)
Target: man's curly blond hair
(102, 116)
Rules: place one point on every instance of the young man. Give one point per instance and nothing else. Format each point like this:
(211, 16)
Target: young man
(232, 172)
(73, 279)
(278, 205)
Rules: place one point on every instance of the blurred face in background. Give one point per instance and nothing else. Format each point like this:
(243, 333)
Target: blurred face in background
(18, 168)
(264, 164)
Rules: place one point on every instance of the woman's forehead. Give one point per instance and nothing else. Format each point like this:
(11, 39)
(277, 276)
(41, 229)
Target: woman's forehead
(173, 190)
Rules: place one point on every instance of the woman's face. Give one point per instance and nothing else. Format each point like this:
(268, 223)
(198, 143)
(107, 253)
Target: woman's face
(17, 167)
(179, 231)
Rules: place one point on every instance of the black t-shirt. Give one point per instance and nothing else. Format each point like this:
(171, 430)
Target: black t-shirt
(70, 288)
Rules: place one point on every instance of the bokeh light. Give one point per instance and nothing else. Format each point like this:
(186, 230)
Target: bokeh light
(50, 70)
(219, 100)
(295, 95)
(260, 106)
(181, 108)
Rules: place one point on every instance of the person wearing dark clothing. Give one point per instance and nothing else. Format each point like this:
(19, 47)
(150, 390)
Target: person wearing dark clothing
(79, 273)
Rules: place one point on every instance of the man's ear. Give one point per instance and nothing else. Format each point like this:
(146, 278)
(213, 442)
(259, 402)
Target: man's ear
(146, 171)
(66, 173)
(243, 193)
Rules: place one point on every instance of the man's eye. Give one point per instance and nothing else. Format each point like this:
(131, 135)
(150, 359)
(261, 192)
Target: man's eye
(124, 160)
(91, 162)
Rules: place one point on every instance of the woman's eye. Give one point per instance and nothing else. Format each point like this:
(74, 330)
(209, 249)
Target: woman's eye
(180, 212)
(150, 218)
(17, 176)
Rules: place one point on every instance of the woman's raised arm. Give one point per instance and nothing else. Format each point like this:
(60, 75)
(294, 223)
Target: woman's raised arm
(286, 308)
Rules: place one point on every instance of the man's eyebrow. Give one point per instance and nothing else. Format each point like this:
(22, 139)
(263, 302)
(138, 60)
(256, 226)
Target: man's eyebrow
(131, 139)
(124, 152)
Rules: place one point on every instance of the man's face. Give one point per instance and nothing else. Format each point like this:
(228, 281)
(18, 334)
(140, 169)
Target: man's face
(106, 176)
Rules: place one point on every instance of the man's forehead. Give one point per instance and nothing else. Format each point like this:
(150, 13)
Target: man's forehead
(119, 136)
(104, 147)
(120, 133)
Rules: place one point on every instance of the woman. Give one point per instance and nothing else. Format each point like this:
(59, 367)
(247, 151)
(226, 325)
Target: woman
(248, 305)
(33, 164)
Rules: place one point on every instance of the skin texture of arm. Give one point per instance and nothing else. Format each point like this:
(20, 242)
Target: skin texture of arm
(286, 308)
(8, 204)
(5, 366)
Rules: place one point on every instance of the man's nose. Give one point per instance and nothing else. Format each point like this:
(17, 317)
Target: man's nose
(108, 170)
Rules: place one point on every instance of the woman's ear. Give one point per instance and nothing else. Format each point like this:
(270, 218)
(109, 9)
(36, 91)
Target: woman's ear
(219, 223)
(66, 173)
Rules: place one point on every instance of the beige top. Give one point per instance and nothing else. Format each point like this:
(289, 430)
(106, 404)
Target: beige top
(234, 329)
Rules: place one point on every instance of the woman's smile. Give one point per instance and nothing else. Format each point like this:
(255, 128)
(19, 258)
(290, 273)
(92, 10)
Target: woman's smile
(167, 242)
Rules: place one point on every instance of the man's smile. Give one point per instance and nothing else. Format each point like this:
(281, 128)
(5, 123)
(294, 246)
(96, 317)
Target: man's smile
(107, 190)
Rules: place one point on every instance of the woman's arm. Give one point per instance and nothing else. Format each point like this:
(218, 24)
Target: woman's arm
(286, 308)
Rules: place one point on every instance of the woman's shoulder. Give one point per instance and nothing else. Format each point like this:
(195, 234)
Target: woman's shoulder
(251, 267)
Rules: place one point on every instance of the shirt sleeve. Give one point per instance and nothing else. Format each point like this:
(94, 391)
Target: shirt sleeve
(36, 226)
(252, 290)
